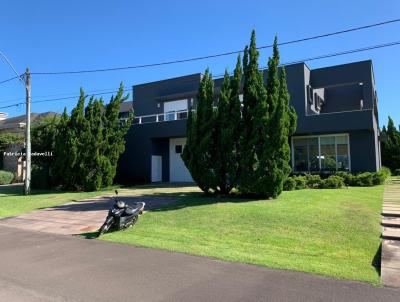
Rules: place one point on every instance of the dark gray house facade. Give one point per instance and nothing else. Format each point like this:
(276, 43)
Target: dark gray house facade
(337, 128)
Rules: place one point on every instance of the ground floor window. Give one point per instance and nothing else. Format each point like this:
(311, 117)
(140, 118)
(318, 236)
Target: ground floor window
(324, 153)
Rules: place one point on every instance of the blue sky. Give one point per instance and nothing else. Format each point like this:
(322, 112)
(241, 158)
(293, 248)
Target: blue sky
(69, 35)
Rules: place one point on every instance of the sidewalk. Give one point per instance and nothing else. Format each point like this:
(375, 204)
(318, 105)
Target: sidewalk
(390, 263)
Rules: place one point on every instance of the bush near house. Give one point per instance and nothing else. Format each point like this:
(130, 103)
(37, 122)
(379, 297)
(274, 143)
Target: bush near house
(332, 182)
(6, 177)
(337, 180)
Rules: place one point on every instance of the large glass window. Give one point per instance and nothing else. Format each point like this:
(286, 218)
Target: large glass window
(300, 154)
(328, 153)
(324, 153)
(342, 153)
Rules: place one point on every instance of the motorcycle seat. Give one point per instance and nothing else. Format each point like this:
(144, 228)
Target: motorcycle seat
(130, 211)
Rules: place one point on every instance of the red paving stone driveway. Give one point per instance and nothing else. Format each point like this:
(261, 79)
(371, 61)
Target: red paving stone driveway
(88, 215)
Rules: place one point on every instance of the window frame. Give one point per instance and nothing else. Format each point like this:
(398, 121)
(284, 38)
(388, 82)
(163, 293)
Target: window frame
(319, 149)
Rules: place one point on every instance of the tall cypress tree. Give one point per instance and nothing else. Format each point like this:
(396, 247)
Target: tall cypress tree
(228, 130)
(93, 136)
(61, 171)
(281, 123)
(254, 109)
(235, 125)
(223, 143)
(199, 153)
(114, 136)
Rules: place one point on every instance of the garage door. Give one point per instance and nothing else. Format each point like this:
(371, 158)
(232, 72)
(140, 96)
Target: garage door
(177, 169)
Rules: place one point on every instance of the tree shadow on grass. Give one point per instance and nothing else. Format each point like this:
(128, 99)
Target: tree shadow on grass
(376, 261)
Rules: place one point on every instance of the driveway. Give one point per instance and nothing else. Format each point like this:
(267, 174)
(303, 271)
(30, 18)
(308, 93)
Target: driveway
(88, 215)
(49, 267)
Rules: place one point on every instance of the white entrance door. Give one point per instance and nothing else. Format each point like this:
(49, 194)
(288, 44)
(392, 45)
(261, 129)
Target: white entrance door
(177, 169)
(156, 168)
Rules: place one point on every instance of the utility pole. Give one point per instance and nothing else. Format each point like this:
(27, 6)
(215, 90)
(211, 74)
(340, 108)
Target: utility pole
(27, 183)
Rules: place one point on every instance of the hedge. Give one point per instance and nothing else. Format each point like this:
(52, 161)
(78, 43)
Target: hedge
(337, 180)
(6, 177)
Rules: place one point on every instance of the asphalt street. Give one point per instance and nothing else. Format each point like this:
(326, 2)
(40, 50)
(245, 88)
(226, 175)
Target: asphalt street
(44, 267)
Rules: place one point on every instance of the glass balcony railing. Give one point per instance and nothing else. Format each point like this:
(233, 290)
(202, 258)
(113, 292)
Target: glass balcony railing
(161, 117)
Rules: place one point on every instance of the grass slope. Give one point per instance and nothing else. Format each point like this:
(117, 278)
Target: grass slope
(13, 203)
(329, 232)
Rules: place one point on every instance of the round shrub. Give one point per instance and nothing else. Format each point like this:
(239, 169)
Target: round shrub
(301, 182)
(332, 182)
(348, 178)
(379, 177)
(6, 177)
(290, 184)
(313, 181)
(365, 179)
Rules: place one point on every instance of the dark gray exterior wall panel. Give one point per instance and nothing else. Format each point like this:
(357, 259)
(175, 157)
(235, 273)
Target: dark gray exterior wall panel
(358, 72)
(362, 151)
(147, 96)
(142, 141)
(335, 122)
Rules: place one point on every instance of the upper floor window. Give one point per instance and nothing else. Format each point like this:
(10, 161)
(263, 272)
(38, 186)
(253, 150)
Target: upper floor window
(174, 109)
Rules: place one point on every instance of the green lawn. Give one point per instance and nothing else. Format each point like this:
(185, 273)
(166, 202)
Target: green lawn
(328, 232)
(12, 202)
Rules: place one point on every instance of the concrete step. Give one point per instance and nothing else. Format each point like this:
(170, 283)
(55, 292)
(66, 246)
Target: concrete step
(391, 233)
(390, 212)
(391, 222)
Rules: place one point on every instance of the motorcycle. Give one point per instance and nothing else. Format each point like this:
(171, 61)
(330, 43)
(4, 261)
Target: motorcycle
(121, 216)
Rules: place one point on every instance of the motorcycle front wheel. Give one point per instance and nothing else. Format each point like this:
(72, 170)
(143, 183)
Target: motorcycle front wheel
(105, 227)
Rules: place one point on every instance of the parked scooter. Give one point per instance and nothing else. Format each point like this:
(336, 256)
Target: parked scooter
(121, 216)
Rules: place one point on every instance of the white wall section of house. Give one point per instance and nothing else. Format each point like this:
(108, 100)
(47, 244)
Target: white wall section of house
(156, 168)
(177, 169)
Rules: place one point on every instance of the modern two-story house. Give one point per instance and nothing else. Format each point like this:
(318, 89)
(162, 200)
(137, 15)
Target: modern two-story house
(337, 127)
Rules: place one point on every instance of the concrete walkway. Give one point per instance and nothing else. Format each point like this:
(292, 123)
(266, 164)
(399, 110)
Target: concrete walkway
(390, 263)
(48, 267)
(88, 215)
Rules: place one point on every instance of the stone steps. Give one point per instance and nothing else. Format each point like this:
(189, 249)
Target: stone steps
(390, 221)
(392, 233)
(390, 257)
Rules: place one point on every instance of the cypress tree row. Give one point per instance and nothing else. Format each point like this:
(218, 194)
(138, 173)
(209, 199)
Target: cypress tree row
(88, 144)
(247, 148)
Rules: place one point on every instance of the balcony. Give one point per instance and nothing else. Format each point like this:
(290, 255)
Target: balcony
(161, 117)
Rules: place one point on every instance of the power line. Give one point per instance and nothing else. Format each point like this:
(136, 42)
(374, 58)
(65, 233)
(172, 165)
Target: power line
(216, 55)
(346, 52)
(64, 98)
(90, 92)
(211, 56)
(390, 44)
(8, 80)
